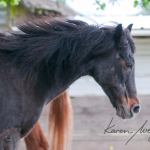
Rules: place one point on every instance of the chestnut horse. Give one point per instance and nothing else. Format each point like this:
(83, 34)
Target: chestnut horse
(40, 63)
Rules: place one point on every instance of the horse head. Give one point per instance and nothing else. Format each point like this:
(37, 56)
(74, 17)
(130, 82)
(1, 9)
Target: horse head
(114, 71)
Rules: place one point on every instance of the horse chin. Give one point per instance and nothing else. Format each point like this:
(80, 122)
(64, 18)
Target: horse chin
(124, 113)
(9, 139)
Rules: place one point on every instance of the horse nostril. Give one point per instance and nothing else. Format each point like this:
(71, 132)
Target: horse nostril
(135, 109)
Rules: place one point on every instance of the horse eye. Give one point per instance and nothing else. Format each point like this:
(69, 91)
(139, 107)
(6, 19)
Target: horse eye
(129, 65)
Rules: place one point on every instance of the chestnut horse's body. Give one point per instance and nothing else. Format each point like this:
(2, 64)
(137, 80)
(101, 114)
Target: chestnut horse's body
(40, 63)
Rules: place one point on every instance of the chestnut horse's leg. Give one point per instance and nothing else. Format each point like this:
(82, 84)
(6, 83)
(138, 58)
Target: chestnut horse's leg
(36, 139)
(60, 127)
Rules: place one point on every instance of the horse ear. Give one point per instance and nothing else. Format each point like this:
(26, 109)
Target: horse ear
(118, 31)
(130, 27)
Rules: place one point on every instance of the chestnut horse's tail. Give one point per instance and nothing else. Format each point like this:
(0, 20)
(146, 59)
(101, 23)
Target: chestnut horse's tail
(60, 122)
(60, 127)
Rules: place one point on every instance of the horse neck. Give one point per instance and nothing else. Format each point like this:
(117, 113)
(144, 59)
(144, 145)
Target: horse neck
(55, 86)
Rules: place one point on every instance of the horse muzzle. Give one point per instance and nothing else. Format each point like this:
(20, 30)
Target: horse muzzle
(126, 113)
(9, 139)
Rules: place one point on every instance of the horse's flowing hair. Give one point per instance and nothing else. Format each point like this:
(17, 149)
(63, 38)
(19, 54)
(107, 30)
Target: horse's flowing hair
(57, 42)
(60, 43)
(56, 45)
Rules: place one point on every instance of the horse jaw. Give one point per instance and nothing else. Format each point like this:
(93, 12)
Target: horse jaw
(9, 139)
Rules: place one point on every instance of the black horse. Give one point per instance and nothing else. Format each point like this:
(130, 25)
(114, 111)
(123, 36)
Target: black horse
(49, 55)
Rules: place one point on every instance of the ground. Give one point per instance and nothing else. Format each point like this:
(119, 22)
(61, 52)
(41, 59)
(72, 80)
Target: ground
(92, 116)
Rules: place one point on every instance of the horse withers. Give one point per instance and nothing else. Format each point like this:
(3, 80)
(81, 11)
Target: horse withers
(48, 56)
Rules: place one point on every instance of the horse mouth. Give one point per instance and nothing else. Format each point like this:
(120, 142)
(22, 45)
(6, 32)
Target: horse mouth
(124, 113)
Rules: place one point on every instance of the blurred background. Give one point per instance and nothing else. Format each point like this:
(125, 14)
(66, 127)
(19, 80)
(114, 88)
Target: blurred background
(92, 109)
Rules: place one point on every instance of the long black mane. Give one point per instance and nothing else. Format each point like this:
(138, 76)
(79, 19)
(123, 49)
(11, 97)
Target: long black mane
(61, 43)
